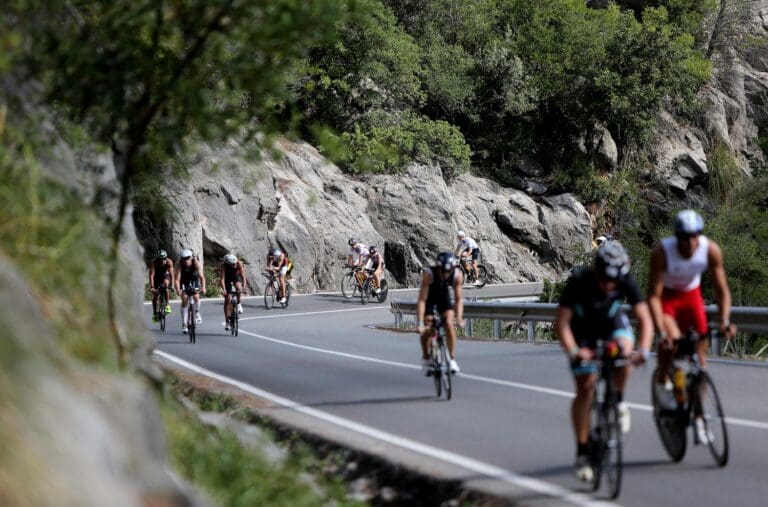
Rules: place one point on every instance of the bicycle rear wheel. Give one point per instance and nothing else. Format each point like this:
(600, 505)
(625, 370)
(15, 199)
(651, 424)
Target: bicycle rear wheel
(612, 459)
(437, 368)
(365, 292)
(714, 419)
(671, 425)
(288, 292)
(348, 286)
(383, 291)
(482, 278)
(269, 296)
(446, 370)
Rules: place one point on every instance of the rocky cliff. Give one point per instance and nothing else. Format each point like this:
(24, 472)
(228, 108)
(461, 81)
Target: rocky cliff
(308, 207)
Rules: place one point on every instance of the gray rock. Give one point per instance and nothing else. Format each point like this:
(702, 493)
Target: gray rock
(677, 152)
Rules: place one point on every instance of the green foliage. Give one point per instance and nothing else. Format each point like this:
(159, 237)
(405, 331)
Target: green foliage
(236, 475)
(725, 175)
(552, 291)
(688, 15)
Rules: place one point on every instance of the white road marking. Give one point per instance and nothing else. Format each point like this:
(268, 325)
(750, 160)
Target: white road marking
(459, 460)
(315, 313)
(746, 423)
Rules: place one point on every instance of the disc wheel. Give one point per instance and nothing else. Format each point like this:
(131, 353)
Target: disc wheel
(348, 286)
(269, 296)
(714, 419)
(671, 425)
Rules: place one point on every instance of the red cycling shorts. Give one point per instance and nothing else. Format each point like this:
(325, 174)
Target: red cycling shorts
(687, 308)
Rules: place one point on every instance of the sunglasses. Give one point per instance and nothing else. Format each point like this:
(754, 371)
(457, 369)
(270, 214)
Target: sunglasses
(687, 236)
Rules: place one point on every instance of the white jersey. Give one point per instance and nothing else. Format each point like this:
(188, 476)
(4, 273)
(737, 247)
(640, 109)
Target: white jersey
(359, 249)
(466, 243)
(684, 274)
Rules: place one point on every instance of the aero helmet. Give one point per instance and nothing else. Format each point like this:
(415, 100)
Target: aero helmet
(611, 260)
(688, 222)
(352, 241)
(186, 253)
(446, 261)
(461, 234)
(230, 259)
(372, 249)
(162, 254)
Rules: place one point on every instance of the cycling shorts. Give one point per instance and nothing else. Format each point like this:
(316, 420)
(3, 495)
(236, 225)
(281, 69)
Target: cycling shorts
(687, 308)
(228, 282)
(159, 279)
(475, 254)
(287, 268)
(617, 328)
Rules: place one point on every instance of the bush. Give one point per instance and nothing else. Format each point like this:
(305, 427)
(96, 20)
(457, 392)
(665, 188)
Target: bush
(725, 175)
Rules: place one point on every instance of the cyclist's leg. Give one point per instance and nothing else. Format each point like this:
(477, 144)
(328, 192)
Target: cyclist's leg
(664, 353)
(281, 279)
(424, 338)
(450, 331)
(625, 338)
(584, 378)
(184, 308)
(377, 275)
(475, 257)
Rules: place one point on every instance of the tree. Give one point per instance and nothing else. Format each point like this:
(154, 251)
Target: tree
(146, 76)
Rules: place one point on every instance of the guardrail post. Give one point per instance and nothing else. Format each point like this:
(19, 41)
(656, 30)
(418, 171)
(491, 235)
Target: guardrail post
(715, 345)
(468, 327)
(531, 331)
(497, 329)
(398, 320)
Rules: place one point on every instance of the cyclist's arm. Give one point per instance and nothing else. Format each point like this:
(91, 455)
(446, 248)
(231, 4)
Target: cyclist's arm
(202, 277)
(177, 281)
(222, 281)
(643, 316)
(349, 260)
(458, 283)
(421, 305)
(656, 287)
(152, 276)
(245, 277)
(720, 281)
(170, 270)
(564, 331)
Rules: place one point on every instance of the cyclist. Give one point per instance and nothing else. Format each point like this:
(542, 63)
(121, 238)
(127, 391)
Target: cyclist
(375, 265)
(160, 275)
(590, 309)
(676, 302)
(189, 276)
(279, 263)
(358, 253)
(467, 247)
(232, 272)
(435, 293)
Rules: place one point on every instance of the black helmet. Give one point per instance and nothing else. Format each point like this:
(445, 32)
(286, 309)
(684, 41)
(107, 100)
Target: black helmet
(446, 261)
(352, 241)
(372, 249)
(611, 260)
(162, 254)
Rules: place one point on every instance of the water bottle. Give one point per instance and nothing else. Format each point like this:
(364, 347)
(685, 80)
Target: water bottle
(679, 381)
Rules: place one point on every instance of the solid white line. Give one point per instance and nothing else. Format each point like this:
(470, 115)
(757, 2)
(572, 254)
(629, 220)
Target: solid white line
(746, 423)
(315, 313)
(459, 460)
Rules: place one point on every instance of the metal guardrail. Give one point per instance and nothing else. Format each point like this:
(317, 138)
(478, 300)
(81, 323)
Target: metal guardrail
(753, 319)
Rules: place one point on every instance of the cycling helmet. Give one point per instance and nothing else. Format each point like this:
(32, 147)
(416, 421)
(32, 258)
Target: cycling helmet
(372, 249)
(277, 252)
(186, 254)
(352, 241)
(162, 254)
(600, 240)
(688, 222)
(461, 234)
(446, 261)
(230, 259)
(612, 260)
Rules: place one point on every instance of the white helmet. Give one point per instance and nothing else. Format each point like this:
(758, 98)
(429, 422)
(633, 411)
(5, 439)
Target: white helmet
(688, 222)
(186, 253)
(230, 259)
(600, 240)
(461, 234)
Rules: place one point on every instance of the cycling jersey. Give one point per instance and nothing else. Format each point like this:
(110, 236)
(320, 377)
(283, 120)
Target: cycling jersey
(681, 298)
(597, 315)
(374, 260)
(162, 270)
(684, 274)
(467, 244)
(440, 293)
(359, 249)
(283, 263)
(188, 275)
(233, 273)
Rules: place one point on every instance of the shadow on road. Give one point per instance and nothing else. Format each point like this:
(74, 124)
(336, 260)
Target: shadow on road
(372, 401)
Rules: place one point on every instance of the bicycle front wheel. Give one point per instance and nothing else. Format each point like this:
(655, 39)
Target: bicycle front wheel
(671, 425)
(383, 291)
(445, 370)
(348, 286)
(365, 292)
(612, 457)
(714, 419)
(269, 296)
(437, 368)
(191, 325)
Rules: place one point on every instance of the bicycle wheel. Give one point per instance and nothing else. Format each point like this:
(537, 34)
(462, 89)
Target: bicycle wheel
(365, 291)
(191, 324)
(437, 368)
(597, 443)
(482, 279)
(671, 425)
(714, 419)
(383, 291)
(288, 292)
(348, 286)
(269, 296)
(612, 458)
(445, 370)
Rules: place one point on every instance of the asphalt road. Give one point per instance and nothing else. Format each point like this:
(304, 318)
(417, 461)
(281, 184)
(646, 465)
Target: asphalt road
(509, 419)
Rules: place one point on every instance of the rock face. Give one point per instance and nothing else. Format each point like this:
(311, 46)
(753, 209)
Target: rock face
(309, 208)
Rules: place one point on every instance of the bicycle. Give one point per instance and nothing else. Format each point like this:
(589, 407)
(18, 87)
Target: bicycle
(605, 437)
(272, 289)
(440, 368)
(351, 282)
(192, 314)
(696, 396)
(469, 273)
(162, 302)
(234, 317)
